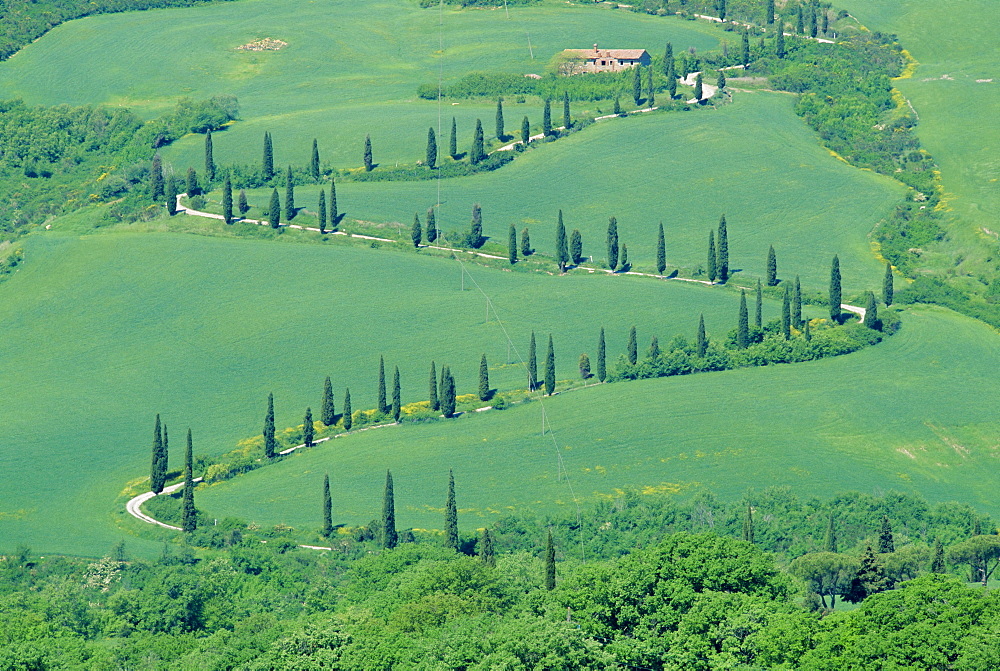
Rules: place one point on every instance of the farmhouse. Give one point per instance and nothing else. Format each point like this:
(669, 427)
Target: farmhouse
(578, 61)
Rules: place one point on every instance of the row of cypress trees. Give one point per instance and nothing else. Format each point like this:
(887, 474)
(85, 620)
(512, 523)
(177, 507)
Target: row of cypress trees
(159, 472)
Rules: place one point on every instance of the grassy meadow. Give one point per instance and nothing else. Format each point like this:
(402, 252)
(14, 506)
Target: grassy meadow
(915, 413)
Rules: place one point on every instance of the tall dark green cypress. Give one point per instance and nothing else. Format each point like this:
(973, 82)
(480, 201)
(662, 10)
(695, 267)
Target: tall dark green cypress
(478, 152)
(227, 200)
(937, 564)
(650, 89)
(550, 563)
(550, 369)
(289, 195)
(314, 161)
(779, 37)
(308, 430)
(831, 536)
(576, 247)
(499, 123)
(484, 379)
(193, 188)
(722, 266)
(835, 292)
(562, 248)
(209, 158)
(532, 364)
(242, 204)
(381, 403)
(321, 211)
(769, 12)
(267, 165)
(887, 285)
(397, 401)
(431, 157)
(702, 342)
(748, 531)
(871, 312)
(800, 21)
(713, 259)
(157, 474)
(602, 363)
(637, 84)
(720, 81)
(171, 195)
(661, 252)
(512, 245)
(547, 118)
(612, 243)
(797, 304)
(274, 210)
(432, 392)
(453, 143)
(526, 249)
(334, 211)
(699, 90)
(632, 349)
(758, 314)
(270, 444)
(743, 325)
(327, 507)
(367, 157)
(525, 130)
(567, 119)
(771, 274)
(487, 553)
(348, 415)
(432, 232)
(670, 70)
(416, 232)
(745, 49)
(476, 238)
(451, 515)
(886, 544)
(448, 392)
(654, 349)
(328, 414)
(786, 314)
(389, 536)
(188, 511)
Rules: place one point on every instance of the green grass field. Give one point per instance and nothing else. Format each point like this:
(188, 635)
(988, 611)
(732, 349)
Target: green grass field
(916, 413)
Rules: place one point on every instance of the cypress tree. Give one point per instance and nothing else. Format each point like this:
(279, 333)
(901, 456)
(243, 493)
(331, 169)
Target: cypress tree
(308, 430)
(831, 537)
(267, 165)
(797, 304)
(772, 267)
(758, 314)
(314, 161)
(562, 249)
(720, 81)
(618, 107)
(826, 22)
(448, 393)
(389, 535)
(550, 563)
(713, 259)
(396, 396)
(670, 70)
(702, 338)
(745, 49)
(526, 249)
(348, 415)
(779, 38)
(499, 128)
(786, 314)
(743, 327)
(193, 188)
(835, 296)
(632, 348)
(871, 312)
(576, 247)
(270, 444)
(769, 12)
(484, 379)
(525, 131)
(654, 349)
(547, 118)
(478, 153)
(432, 393)
(550, 369)
(432, 232)
(289, 195)
(661, 252)
(699, 92)
(637, 84)
(625, 264)
(512, 245)
(937, 564)
(321, 211)
(157, 474)
(650, 89)
(887, 285)
(813, 27)
(567, 119)
(227, 200)
(242, 204)
(416, 232)
(327, 507)
(328, 414)
(334, 212)
(432, 149)
(476, 238)
(532, 364)
(722, 266)
(486, 553)
(602, 370)
(451, 515)
(807, 333)
(274, 210)
(190, 514)
(885, 540)
(612, 244)
(453, 143)
(584, 366)
(171, 196)
(800, 27)
(748, 532)
(381, 404)
(368, 154)
(209, 159)
(165, 453)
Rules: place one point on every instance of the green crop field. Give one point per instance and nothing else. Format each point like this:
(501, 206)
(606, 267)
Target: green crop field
(915, 413)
